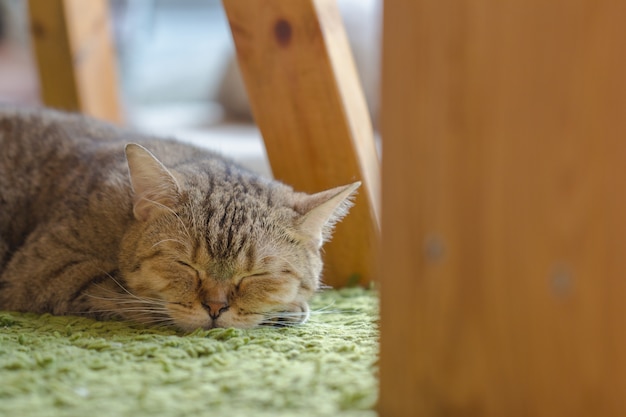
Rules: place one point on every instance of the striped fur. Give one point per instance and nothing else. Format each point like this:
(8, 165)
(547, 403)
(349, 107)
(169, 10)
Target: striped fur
(100, 221)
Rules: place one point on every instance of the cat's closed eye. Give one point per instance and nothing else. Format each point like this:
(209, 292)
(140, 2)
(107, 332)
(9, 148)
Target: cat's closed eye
(258, 274)
(185, 264)
(249, 277)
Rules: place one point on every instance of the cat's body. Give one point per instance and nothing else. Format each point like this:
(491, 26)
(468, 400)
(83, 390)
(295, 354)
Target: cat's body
(192, 241)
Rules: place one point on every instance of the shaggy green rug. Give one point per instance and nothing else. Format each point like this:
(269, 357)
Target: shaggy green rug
(69, 366)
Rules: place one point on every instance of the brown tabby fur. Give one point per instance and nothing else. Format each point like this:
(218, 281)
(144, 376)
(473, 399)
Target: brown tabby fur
(92, 226)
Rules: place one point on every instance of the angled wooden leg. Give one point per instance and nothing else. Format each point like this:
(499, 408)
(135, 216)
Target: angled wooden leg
(75, 56)
(308, 104)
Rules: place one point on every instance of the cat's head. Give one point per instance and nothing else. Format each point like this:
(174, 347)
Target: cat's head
(214, 246)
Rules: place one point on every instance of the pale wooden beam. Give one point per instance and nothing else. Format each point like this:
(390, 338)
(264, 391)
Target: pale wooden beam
(75, 56)
(504, 209)
(307, 101)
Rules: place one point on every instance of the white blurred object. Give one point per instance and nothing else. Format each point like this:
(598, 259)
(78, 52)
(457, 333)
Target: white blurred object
(14, 21)
(18, 79)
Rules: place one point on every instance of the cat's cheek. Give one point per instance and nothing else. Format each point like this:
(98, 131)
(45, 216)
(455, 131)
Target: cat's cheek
(153, 281)
(268, 291)
(301, 311)
(190, 319)
(143, 285)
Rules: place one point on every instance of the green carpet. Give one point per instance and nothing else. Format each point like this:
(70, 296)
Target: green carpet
(69, 366)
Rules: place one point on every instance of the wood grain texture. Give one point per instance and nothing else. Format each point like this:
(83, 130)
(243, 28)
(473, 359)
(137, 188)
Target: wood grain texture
(307, 101)
(504, 209)
(75, 56)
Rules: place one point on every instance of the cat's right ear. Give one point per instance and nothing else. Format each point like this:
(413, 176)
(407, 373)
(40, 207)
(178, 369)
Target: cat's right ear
(323, 210)
(154, 187)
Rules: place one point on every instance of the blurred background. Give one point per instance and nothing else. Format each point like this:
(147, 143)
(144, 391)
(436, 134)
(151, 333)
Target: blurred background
(178, 70)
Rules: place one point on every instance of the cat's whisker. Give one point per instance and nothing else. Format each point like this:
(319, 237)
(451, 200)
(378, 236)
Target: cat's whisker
(286, 314)
(128, 292)
(275, 256)
(325, 308)
(169, 320)
(274, 323)
(122, 300)
(285, 319)
(294, 318)
(141, 309)
(169, 240)
(123, 288)
(147, 319)
(135, 313)
(182, 223)
(163, 321)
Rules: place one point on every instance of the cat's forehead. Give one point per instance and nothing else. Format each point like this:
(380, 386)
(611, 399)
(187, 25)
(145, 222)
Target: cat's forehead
(243, 257)
(241, 240)
(233, 230)
(253, 191)
(244, 210)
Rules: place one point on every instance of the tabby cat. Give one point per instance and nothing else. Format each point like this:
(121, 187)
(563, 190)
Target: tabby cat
(92, 223)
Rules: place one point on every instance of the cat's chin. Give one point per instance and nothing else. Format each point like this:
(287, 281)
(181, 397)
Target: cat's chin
(198, 320)
(209, 324)
(295, 314)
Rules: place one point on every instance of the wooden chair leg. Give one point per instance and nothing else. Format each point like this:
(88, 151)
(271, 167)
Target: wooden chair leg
(504, 209)
(75, 56)
(307, 101)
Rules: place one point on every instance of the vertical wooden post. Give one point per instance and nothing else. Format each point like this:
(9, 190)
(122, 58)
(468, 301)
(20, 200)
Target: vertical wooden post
(308, 104)
(504, 208)
(75, 56)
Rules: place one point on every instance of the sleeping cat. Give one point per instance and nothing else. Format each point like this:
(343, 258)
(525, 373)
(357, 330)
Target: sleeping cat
(104, 222)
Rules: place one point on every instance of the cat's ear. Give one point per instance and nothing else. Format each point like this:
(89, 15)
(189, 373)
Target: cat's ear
(323, 210)
(154, 187)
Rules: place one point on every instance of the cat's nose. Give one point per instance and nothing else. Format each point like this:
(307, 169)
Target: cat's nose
(215, 308)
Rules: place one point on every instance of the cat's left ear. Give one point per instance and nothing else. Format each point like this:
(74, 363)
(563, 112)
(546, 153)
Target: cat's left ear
(323, 210)
(155, 188)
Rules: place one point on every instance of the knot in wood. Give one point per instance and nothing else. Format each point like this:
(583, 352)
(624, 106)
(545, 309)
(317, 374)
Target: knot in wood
(282, 31)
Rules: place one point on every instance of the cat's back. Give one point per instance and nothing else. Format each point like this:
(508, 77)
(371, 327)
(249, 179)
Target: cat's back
(44, 149)
(44, 135)
(55, 163)
(27, 133)
(50, 165)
